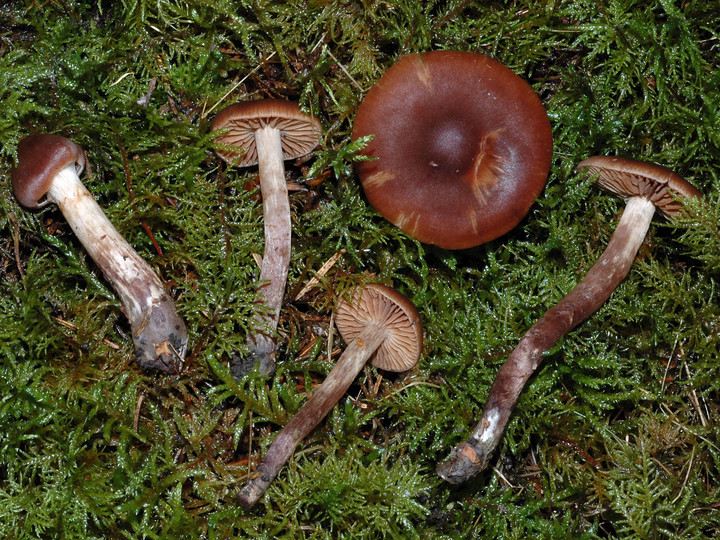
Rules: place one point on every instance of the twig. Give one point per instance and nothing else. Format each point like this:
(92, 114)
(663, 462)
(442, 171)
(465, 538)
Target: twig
(345, 71)
(143, 101)
(687, 475)
(205, 113)
(330, 336)
(138, 405)
(320, 273)
(121, 78)
(73, 327)
(502, 477)
(16, 243)
(667, 367)
(695, 401)
(250, 438)
(410, 385)
(131, 193)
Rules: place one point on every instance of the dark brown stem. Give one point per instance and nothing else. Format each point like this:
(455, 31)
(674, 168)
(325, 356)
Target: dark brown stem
(471, 457)
(323, 399)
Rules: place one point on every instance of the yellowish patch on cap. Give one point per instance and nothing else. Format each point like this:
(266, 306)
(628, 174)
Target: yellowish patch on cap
(409, 223)
(423, 73)
(488, 167)
(473, 219)
(377, 179)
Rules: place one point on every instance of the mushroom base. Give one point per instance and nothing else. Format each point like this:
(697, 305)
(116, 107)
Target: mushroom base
(261, 357)
(161, 340)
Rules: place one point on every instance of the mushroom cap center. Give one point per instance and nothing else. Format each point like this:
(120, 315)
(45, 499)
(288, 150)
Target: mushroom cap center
(448, 145)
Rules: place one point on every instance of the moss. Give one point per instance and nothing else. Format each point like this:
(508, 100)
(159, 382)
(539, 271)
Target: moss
(616, 435)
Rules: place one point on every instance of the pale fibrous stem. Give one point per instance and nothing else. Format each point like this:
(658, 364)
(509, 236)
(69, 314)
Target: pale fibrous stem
(276, 258)
(159, 334)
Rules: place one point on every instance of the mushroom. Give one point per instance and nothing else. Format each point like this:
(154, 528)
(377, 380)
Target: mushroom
(647, 187)
(378, 323)
(266, 133)
(48, 172)
(462, 147)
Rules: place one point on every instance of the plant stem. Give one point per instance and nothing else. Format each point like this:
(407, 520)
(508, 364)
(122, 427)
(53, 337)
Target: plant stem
(158, 332)
(323, 399)
(471, 457)
(276, 259)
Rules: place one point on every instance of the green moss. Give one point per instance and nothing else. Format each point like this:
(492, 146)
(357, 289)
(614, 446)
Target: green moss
(616, 435)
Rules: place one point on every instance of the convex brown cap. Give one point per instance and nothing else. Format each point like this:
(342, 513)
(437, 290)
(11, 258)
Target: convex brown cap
(40, 159)
(632, 178)
(463, 147)
(300, 132)
(380, 304)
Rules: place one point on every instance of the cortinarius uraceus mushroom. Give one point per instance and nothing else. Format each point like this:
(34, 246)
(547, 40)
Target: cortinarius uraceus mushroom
(647, 187)
(266, 133)
(462, 147)
(48, 172)
(378, 323)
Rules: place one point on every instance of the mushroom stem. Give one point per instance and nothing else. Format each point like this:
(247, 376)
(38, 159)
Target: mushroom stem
(276, 259)
(471, 457)
(158, 332)
(323, 399)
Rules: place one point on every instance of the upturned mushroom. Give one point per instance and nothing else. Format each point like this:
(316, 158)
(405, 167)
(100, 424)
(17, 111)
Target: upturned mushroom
(48, 171)
(462, 147)
(647, 187)
(378, 323)
(266, 133)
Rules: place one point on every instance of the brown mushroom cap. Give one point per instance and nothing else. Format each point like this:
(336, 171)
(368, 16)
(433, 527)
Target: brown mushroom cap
(40, 159)
(463, 147)
(380, 304)
(632, 178)
(300, 133)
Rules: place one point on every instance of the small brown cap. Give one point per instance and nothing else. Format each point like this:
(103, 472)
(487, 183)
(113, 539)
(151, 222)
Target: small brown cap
(462, 147)
(300, 133)
(377, 303)
(40, 159)
(632, 178)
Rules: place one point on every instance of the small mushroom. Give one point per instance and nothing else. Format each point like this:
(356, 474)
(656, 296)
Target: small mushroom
(462, 147)
(266, 133)
(48, 172)
(378, 323)
(647, 187)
